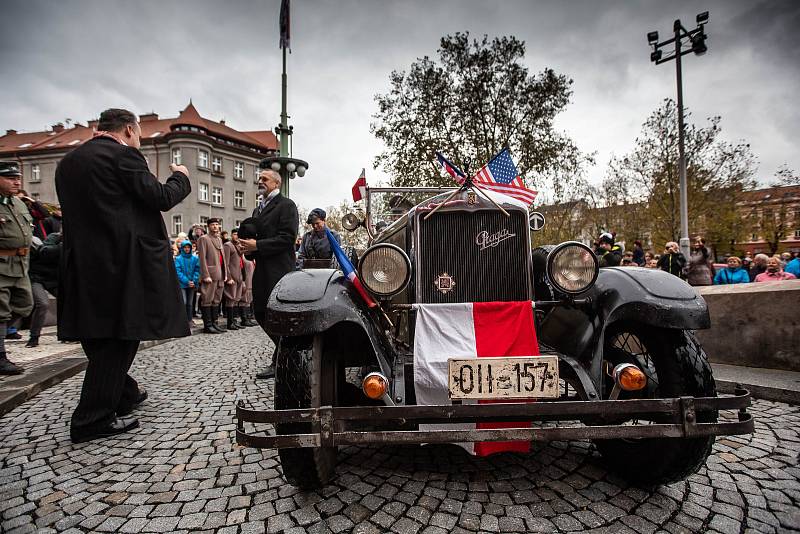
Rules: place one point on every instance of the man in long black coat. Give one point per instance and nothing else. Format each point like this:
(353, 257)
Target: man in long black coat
(276, 222)
(118, 285)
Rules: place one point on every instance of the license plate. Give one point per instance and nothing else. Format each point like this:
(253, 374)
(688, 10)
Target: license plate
(527, 377)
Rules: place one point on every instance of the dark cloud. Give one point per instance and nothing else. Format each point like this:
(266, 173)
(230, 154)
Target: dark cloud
(73, 59)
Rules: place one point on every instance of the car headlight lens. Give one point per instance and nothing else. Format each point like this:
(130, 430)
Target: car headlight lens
(385, 269)
(572, 267)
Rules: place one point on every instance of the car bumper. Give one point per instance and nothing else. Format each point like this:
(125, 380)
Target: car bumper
(328, 425)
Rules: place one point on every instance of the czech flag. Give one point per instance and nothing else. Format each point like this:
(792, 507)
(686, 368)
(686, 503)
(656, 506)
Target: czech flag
(348, 270)
(463, 331)
(360, 187)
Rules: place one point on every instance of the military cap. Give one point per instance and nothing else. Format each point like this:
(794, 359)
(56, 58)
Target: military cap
(213, 220)
(9, 168)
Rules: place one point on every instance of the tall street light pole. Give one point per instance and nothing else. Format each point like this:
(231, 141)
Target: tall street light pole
(287, 166)
(697, 38)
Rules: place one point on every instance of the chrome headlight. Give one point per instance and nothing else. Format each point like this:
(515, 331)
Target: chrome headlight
(385, 269)
(572, 267)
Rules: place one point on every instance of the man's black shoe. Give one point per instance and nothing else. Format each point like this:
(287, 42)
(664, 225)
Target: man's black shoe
(32, 342)
(8, 368)
(140, 399)
(14, 335)
(117, 426)
(269, 372)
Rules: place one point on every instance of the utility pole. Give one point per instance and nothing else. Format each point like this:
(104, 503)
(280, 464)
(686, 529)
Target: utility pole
(697, 38)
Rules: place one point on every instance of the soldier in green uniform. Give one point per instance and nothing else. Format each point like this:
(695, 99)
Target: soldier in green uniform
(15, 242)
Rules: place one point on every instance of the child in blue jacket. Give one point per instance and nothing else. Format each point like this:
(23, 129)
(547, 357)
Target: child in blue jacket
(187, 265)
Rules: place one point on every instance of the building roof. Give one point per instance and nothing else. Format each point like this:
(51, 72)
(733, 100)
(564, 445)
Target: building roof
(782, 193)
(153, 128)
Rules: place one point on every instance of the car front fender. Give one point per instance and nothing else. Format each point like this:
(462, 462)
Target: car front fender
(314, 301)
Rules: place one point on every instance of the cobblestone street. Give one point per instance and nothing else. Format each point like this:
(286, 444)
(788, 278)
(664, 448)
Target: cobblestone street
(181, 471)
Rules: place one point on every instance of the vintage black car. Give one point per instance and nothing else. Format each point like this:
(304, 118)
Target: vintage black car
(629, 373)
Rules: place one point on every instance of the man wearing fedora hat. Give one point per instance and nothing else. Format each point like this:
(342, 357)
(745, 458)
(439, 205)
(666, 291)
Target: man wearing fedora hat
(15, 242)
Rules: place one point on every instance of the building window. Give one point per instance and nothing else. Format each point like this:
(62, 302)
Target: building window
(237, 223)
(238, 199)
(176, 156)
(202, 159)
(797, 234)
(216, 195)
(216, 164)
(202, 192)
(258, 172)
(177, 224)
(36, 173)
(238, 170)
(204, 221)
(753, 237)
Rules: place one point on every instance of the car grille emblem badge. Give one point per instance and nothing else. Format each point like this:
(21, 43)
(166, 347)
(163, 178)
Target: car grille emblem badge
(472, 198)
(444, 283)
(486, 240)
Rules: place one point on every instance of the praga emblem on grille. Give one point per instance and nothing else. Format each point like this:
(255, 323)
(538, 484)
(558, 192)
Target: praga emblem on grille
(486, 240)
(444, 283)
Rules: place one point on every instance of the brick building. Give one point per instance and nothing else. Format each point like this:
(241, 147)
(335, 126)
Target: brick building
(222, 162)
(773, 218)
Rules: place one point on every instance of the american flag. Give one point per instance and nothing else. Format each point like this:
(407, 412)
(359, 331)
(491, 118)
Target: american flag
(501, 175)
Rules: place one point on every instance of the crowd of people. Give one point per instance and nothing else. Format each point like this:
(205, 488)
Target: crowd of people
(699, 268)
(215, 278)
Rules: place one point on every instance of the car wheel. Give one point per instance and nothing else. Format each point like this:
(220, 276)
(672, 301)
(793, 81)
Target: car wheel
(300, 382)
(675, 365)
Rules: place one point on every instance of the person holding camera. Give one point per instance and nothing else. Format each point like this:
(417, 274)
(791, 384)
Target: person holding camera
(672, 261)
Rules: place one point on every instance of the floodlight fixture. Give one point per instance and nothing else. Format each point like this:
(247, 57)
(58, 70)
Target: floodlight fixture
(655, 55)
(699, 43)
(702, 18)
(652, 37)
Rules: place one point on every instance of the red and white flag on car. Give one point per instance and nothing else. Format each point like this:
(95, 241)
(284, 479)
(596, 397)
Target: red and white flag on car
(465, 331)
(360, 187)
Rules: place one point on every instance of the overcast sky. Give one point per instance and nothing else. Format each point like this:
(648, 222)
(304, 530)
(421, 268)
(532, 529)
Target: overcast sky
(71, 59)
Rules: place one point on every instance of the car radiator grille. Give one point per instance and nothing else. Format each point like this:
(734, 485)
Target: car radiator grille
(448, 244)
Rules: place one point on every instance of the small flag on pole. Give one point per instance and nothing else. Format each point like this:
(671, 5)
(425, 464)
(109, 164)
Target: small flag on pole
(451, 169)
(283, 25)
(360, 187)
(501, 175)
(348, 270)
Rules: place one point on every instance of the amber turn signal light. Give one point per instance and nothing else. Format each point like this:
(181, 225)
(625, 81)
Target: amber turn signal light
(375, 385)
(629, 377)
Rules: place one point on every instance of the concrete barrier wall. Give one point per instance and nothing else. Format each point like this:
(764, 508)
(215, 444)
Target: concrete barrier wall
(757, 325)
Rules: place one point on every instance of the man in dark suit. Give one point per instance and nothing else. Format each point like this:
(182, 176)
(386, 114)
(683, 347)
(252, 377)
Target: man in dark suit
(118, 285)
(276, 222)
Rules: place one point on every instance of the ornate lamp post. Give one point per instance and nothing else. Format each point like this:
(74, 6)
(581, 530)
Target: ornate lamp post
(697, 44)
(287, 166)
